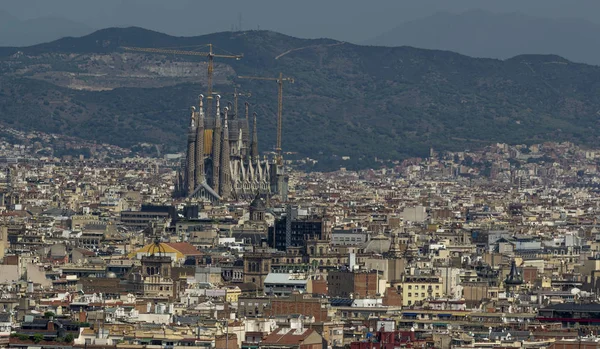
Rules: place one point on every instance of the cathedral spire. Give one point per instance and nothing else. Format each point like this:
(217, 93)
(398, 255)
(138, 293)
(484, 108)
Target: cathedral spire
(190, 155)
(216, 148)
(230, 107)
(218, 116)
(225, 175)
(254, 146)
(201, 105)
(193, 118)
(199, 157)
(245, 142)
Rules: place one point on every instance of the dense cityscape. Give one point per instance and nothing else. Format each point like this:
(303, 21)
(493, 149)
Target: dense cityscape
(352, 175)
(491, 247)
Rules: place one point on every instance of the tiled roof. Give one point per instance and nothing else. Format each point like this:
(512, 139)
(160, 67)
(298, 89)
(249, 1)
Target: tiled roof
(287, 336)
(85, 252)
(185, 248)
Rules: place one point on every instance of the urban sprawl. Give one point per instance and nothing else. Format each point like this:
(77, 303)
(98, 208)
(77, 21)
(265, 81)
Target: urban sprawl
(491, 248)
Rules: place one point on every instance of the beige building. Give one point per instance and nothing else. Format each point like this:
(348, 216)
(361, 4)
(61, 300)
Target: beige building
(3, 240)
(232, 294)
(417, 288)
(78, 222)
(154, 279)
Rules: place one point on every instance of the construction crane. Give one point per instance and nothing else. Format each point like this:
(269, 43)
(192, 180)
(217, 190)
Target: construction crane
(210, 54)
(280, 80)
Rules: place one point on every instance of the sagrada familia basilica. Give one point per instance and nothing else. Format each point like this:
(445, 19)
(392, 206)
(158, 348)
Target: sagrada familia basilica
(222, 160)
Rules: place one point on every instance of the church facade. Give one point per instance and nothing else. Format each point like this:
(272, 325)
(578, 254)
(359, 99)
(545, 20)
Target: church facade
(222, 159)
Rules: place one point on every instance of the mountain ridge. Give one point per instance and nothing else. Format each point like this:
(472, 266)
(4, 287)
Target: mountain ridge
(348, 100)
(479, 33)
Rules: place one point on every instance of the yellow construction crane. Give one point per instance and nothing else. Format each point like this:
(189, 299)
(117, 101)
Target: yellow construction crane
(210, 54)
(280, 81)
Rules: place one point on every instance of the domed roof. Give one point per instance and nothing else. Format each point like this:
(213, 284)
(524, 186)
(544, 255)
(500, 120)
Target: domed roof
(258, 204)
(111, 275)
(378, 244)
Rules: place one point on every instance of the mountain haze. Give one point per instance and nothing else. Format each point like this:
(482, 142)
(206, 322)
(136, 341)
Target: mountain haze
(483, 34)
(347, 100)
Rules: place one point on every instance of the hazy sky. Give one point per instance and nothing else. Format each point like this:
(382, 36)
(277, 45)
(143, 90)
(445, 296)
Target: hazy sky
(350, 20)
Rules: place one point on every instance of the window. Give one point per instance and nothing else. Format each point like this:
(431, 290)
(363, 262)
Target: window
(410, 287)
(409, 294)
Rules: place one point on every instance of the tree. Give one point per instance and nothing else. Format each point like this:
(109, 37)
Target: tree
(21, 336)
(38, 337)
(69, 338)
(48, 315)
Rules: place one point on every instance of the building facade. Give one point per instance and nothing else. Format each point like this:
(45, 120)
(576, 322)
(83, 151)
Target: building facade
(346, 284)
(294, 232)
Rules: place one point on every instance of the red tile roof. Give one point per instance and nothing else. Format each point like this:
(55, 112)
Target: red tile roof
(185, 248)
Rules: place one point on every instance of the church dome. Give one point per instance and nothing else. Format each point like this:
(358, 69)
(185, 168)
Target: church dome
(378, 244)
(258, 204)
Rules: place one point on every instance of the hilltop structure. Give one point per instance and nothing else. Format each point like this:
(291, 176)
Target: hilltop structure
(223, 162)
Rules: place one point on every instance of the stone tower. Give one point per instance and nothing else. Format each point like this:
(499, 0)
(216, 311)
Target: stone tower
(257, 209)
(254, 146)
(216, 148)
(225, 175)
(199, 156)
(190, 154)
(257, 265)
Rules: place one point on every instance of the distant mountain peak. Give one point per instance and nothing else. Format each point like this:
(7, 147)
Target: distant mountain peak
(480, 33)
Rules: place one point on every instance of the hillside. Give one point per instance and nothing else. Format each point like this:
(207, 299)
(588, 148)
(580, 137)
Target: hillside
(478, 33)
(348, 100)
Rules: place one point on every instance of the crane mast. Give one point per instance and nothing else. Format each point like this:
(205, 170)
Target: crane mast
(280, 80)
(210, 55)
(209, 82)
